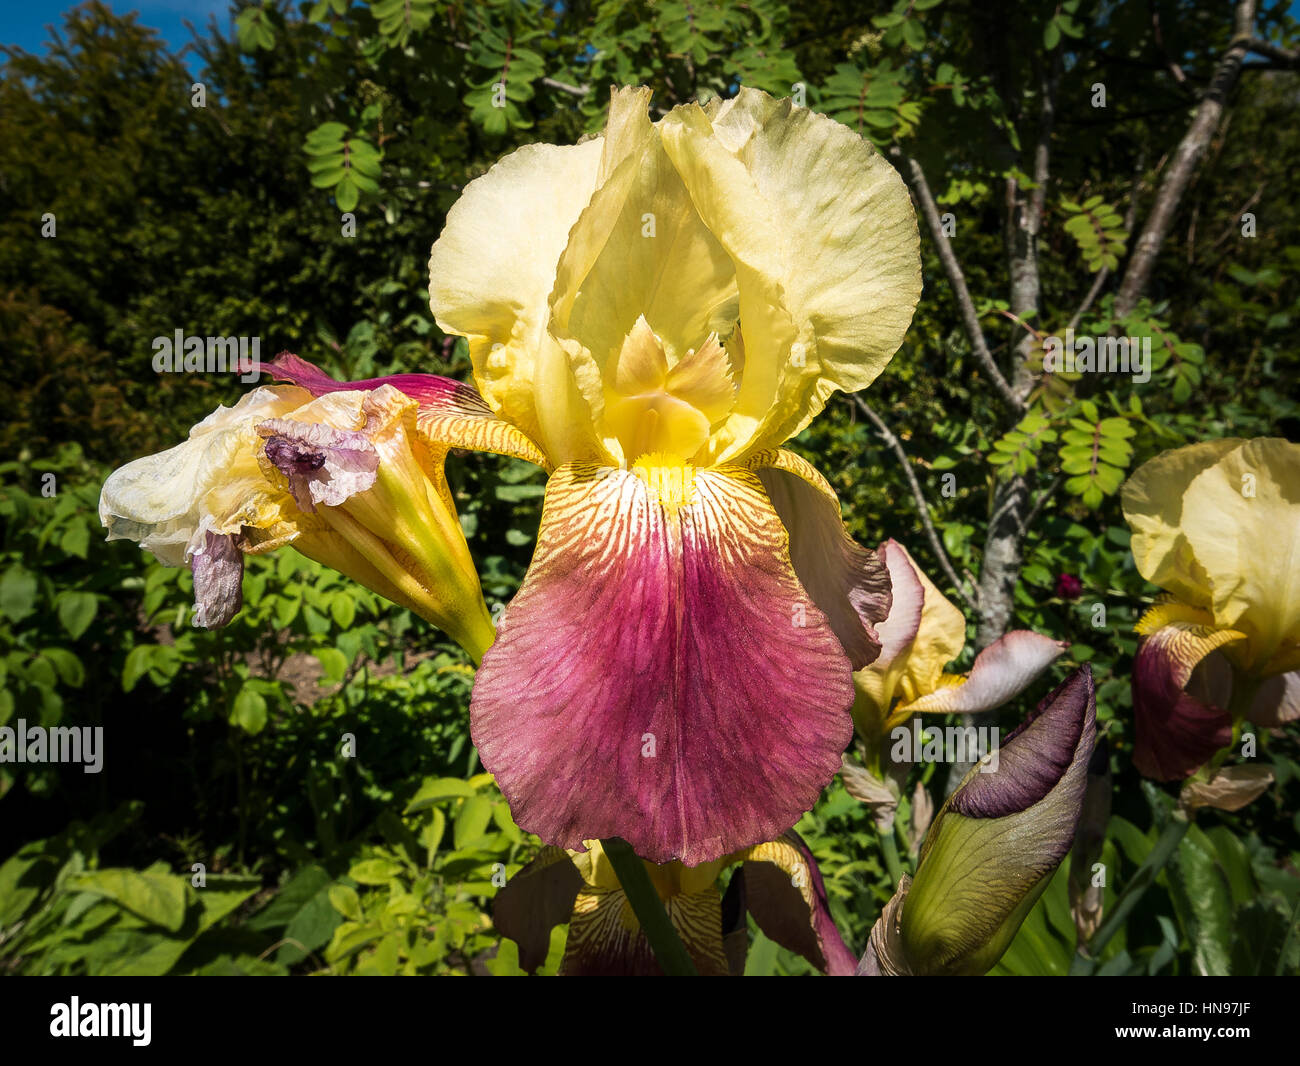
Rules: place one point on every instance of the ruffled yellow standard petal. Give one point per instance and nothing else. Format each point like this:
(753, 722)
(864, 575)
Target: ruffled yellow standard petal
(823, 238)
(491, 273)
(1241, 518)
(1153, 506)
(708, 280)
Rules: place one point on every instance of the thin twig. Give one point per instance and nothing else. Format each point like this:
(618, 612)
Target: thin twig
(936, 545)
(1043, 497)
(921, 189)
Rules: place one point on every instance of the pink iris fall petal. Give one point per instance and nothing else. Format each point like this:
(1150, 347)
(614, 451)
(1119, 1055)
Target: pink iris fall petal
(424, 388)
(908, 598)
(651, 679)
(848, 582)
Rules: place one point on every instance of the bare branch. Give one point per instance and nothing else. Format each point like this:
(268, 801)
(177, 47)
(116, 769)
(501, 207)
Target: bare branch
(921, 189)
(922, 507)
(1190, 150)
(1043, 497)
(572, 90)
(1281, 56)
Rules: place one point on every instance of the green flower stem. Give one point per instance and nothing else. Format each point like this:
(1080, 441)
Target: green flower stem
(649, 909)
(1166, 845)
(889, 850)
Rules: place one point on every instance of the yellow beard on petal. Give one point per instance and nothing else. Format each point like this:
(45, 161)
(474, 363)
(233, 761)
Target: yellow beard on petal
(671, 480)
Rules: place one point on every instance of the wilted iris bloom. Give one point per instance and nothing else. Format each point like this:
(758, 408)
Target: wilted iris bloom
(348, 478)
(1217, 526)
(993, 847)
(778, 883)
(923, 633)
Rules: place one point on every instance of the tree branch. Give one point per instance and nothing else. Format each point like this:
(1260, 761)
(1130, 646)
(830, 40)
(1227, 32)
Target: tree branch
(921, 189)
(1190, 150)
(922, 507)
(1281, 56)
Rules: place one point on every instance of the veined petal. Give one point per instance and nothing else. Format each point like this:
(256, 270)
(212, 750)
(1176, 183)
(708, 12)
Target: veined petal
(452, 414)
(824, 240)
(1229, 789)
(657, 624)
(876, 685)
(639, 249)
(1241, 518)
(606, 940)
(218, 581)
(1153, 507)
(785, 894)
(491, 274)
(1000, 672)
(354, 458)
(1174, 732)
(848, 582)
(940, 637)
(322, 464)
(1277, 701)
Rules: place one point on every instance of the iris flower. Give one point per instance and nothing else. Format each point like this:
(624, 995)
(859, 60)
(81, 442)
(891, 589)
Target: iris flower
(923, 633)
(650, 315)
(778, 883)
(1217, 526)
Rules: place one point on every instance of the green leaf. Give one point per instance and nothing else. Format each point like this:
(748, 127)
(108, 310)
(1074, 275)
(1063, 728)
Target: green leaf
(346, 195)
(69, 667)
(334, 663)
(374, 871)
(472, 820)
(249, 710)
(76, 611)
(343, 608)
(158, 898)
(438, 789)
(76, 540)
(17, 593)
(346, 901)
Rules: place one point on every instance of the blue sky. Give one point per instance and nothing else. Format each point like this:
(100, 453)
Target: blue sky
(23, 22)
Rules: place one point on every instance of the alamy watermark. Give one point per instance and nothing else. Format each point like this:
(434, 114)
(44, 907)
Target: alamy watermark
(71, 744)
(210, 355)
(914, 743)
(1098, 355)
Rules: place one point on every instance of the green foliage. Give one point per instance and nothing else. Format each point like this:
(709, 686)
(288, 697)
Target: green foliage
(417, 903)
(340, 161)
(1098, 230)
